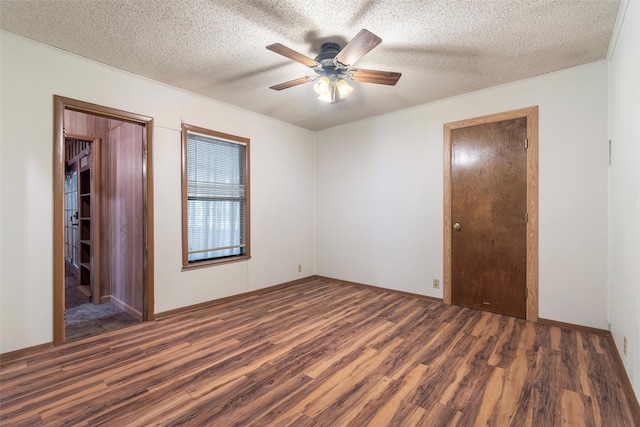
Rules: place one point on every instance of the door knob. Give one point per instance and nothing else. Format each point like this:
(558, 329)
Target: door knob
(457, 226)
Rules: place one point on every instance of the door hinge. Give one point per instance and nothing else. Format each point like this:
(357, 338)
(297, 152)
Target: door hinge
(526, 143)
(526, 217)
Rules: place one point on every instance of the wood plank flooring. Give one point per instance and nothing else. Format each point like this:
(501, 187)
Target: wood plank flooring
(324, 353)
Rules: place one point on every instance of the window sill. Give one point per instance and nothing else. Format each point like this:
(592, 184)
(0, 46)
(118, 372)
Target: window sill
(213, 262)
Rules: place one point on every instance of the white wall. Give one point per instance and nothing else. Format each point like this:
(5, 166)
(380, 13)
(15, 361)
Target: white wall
(379, 192)
(624, 192)
(282, 186)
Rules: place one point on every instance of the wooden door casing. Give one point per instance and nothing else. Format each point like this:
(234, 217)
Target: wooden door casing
(531, 236)
(488, 202)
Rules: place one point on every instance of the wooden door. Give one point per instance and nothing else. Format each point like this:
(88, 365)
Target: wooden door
(489, 216)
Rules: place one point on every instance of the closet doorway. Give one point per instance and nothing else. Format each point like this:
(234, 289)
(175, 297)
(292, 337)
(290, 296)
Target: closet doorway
(103, 271)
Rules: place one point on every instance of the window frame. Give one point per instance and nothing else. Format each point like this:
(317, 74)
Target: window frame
(186, 128)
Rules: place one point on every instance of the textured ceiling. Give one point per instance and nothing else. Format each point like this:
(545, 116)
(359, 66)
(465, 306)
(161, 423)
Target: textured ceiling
(217, 47)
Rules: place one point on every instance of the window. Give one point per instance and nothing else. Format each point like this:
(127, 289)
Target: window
(215, 197)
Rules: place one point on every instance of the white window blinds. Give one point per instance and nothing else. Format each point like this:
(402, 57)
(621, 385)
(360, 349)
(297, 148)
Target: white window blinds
(216, 197)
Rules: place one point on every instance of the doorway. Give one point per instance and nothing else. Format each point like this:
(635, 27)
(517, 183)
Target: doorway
(105, 156)
(490, 213)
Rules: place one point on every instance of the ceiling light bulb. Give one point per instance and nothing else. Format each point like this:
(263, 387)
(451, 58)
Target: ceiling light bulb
(343, 88)
(326, 97)
(321, 87)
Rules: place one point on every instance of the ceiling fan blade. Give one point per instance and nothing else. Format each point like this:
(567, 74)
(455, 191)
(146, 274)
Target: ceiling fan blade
(292, 54)
(362, 43)
(374, 76)
(292, 83)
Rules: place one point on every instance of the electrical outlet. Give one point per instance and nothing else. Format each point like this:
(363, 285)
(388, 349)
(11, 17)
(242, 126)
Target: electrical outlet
(299, 268)
(436, 284)
(624, 346)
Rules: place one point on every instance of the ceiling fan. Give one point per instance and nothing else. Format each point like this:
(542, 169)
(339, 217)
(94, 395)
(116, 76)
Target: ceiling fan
(332, 67)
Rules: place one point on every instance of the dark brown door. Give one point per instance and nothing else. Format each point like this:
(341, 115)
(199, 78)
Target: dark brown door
(488, 214)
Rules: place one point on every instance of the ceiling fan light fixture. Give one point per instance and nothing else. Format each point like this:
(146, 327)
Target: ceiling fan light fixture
(322, 85)
(344, 89)
(335, 91)
(333, 65)
(330, 96)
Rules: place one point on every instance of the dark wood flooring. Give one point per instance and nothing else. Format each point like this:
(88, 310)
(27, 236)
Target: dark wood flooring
(324, 353)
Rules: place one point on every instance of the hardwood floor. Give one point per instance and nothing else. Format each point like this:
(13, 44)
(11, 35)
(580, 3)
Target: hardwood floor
(324, 353)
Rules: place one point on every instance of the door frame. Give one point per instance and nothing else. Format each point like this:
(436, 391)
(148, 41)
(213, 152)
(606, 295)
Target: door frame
(60, 105)
(531, 113)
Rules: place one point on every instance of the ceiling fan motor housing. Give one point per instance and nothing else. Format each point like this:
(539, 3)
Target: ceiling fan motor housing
(328, 52)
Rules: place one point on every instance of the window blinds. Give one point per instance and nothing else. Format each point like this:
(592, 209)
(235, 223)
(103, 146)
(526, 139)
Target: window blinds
(216, 199)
